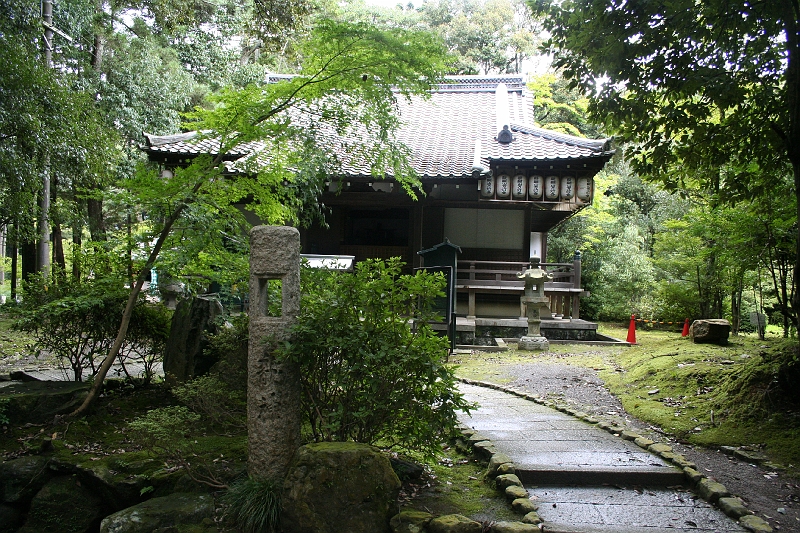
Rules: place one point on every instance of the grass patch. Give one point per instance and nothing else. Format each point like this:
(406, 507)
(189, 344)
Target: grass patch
(254, 505)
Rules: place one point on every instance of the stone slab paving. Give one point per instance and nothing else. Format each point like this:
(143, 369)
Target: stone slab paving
(585, 479)
(543, 442)
(651, 510)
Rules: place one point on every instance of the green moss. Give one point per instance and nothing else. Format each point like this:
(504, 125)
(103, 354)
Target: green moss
(458, 487)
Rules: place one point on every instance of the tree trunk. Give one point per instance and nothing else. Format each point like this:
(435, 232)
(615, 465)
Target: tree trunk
(100, 377)
(97, 228)
(29, 266)
(736, 309)
(58, 247)
(58, 238)
(14, 263)
(76, 251)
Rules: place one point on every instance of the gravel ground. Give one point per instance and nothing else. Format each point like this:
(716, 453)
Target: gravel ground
(767, 493)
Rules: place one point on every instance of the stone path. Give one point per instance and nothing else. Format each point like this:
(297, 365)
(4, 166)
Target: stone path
(585, 479)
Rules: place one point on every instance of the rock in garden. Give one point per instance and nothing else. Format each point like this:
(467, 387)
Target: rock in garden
(64, 505)
(496, 462)
(454, 523)
(11, 518)
(410, 521)
(514, 527)
(339, 487)
(711, 490)
(733, 507)
(507, 480)
(39, 401)
(22, 478)
(713, 330)
(755, 524)
(165, 513)
(184, 357)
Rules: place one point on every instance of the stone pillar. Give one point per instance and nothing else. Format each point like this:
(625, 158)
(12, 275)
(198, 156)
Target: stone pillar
(273, 386)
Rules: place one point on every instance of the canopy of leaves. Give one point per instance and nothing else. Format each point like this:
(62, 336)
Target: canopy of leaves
(341, 105)
(692, 85)
(482, 36)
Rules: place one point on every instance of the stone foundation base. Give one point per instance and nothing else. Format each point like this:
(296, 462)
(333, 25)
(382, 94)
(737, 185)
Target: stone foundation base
(539, 344)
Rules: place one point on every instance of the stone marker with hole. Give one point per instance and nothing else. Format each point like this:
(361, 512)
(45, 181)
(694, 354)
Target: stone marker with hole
(273, 386)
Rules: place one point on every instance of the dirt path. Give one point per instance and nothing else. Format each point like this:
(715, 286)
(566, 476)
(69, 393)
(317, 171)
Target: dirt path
(769, 494)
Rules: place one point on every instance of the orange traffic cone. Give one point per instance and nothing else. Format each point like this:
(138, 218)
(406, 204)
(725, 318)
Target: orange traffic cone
(685, 332)
(632, 330)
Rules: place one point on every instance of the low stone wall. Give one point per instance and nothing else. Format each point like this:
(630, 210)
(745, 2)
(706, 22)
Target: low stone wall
(483, 331)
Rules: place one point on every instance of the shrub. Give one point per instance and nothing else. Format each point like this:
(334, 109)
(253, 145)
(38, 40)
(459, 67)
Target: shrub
(372, 369)
(163, 430)
(169, 433)
(77, 322)
(229, 347)
(211, 397)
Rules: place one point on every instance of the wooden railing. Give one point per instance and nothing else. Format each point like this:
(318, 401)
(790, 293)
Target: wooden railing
(475, 277)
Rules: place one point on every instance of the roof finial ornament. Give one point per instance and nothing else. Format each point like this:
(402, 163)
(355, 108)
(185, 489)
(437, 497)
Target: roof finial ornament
(503, 115)
(504, 136)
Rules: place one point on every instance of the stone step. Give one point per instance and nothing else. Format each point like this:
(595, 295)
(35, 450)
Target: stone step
(577, 476)
(585, 479)
(619, 509)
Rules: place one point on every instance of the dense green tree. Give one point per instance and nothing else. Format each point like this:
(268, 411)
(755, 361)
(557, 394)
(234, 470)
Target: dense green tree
(483, 36)
(49, 123)
(703, 91)
(560, 108)
(350, 78)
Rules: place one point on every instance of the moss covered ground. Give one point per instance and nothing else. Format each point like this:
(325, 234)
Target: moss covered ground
(746, 393)
(454, 483)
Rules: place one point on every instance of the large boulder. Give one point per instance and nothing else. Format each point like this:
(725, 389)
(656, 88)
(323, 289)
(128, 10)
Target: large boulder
(39, 401)
(164, 514)
(64, 506)
(184, 356)
(339, 487)
(118, 485)
(710, 330)
(22, 478)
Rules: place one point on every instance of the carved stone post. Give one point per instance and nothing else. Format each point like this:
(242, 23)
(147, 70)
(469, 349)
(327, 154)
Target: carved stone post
(273, 386)
(534, 299)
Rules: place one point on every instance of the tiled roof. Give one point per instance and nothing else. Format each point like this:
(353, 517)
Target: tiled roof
(192, 144)
(451, 135)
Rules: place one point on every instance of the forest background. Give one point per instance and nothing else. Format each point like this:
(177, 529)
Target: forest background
(687, 239)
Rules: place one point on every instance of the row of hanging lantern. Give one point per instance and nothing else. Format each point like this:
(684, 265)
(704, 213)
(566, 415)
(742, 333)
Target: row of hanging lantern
(550, 188)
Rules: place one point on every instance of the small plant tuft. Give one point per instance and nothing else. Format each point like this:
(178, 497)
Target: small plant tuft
(4, 411)
(254, 505)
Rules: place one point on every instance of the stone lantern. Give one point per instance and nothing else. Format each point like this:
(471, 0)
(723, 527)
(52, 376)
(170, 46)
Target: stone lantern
(534, 300)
